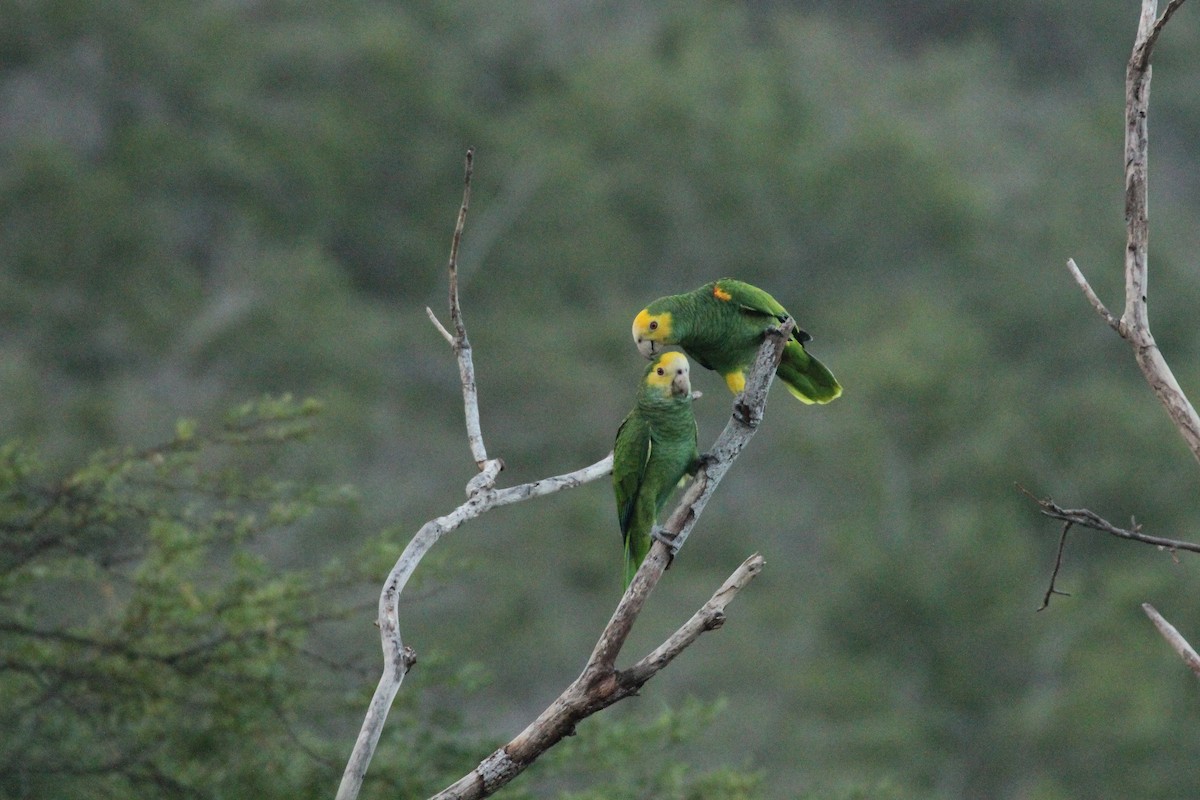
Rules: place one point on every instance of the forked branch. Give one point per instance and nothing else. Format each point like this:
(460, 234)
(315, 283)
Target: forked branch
(1134, 324)
(601, 684)
(482, 496)
(1088, 519)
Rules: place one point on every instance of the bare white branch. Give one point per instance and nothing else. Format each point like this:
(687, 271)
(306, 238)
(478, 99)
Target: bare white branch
(1092, 298)
(437, 323)
(1134, 324)
(1174, 638)
(710, 617)
(597, 687)
(482, 496)
(1136, 321)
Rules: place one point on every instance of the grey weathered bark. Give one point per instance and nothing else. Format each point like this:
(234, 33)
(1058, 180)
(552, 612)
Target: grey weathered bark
(1134, 324)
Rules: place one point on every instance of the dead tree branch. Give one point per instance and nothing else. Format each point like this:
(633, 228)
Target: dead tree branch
(1174, 638)
(459, 341)
(1134, 324)
(1088, 519)
(482, 496)
(1051, 590)
(601, 684)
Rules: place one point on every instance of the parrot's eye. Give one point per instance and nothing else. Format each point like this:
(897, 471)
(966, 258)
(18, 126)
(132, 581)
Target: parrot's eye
(653, 324)
(660, 371)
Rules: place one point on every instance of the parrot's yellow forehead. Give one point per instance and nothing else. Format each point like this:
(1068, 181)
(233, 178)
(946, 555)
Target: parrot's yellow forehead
(666, 367)
(655, 327)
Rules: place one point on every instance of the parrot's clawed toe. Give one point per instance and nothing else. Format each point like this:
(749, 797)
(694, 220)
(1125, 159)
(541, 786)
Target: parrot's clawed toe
(671, 542)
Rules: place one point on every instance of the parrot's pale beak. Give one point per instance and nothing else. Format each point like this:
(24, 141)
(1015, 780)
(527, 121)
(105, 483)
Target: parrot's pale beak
(681, 384)
(649, 348)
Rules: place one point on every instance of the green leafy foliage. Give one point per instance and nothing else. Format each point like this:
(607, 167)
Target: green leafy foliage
(147, 636)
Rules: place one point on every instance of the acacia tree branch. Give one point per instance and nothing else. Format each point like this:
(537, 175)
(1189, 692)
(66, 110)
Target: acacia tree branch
(1174, 638)
(482, 496)
(600, 684)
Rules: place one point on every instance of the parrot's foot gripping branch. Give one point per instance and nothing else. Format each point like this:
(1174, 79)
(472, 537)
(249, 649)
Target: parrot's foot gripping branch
(670, 540)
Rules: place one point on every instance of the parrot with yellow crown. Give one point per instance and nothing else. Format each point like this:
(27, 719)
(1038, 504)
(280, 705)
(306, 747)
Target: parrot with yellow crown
(655, 448)
(721, 326)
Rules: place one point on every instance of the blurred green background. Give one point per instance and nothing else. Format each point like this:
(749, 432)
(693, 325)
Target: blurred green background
(204, 202)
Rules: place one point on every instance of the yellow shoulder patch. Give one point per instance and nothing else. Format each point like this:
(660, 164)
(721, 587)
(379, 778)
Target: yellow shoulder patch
(721, 294)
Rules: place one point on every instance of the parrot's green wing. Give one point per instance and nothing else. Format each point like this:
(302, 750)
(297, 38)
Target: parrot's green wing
(751, 298)
(754, 300)
(631, 454)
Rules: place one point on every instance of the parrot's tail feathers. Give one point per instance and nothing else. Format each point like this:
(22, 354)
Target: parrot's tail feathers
(636, 549)
(631, 565)
(806, 378)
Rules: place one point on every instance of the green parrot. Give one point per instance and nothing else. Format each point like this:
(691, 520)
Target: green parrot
(655, 448)
(721, 326)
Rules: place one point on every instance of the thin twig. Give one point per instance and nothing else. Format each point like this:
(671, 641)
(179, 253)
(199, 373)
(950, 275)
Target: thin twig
(1092, 298)
(710, 617)
(1050, 591)
(455, 307)
(1174, 638)
(437, 323)
(460, 342)
(1089, 519)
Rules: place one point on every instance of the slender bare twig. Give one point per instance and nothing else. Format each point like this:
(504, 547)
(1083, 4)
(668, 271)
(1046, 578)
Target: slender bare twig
(1174, 638)
(1092, 298)
(1051, 590)
(459, 341)
(1089, 519)
(710, 617)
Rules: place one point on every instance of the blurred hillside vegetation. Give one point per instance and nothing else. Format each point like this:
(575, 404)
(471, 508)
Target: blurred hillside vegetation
(206, 203)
